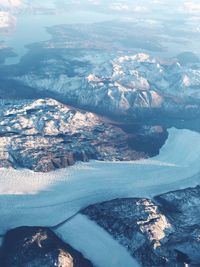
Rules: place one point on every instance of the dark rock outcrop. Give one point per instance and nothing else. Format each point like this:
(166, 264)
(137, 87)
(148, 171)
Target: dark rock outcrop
(39, 247)
(45, 135)
(161, 232)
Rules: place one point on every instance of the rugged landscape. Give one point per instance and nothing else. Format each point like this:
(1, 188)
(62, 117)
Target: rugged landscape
(127, 86)
(157, 230)
(99, 133)
(44, 135)
(36, 246)
(163, 231)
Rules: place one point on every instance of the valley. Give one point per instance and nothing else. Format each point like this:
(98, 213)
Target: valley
(99, 133)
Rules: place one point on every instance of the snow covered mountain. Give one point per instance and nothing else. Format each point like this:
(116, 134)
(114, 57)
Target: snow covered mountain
(159, 232)
(125, 85)
(44, 135)
(108, 87)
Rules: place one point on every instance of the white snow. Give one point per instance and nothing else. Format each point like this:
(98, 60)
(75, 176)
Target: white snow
(73, 188)
(95, 243)
(140, 57)
(28, 198)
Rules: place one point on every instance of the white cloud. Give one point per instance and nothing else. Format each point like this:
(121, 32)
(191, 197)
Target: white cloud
(119, 6)
(10, 3)
(192, 7)
(95, 2)
(6, 20)
(140, 9)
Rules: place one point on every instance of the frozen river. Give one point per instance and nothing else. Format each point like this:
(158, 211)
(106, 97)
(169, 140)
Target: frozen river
(28, 198)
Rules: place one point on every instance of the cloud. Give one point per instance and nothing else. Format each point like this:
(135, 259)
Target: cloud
(10, 3)
(192, 7)
(140, 8)
(119, 6)
(7, 21)
(95, 2)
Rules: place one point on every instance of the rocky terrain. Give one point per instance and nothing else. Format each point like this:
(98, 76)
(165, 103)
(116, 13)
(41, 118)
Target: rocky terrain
(64, 65)
(36, 246)
(44, 135)
(163, 231)
(121, 85)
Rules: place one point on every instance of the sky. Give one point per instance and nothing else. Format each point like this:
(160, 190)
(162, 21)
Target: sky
(187, 6)
(141, 8)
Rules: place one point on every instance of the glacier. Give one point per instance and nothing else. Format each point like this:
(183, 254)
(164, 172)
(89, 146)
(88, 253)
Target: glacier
(28, 198)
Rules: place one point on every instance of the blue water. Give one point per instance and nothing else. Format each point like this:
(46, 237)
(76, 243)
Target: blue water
(31, 28)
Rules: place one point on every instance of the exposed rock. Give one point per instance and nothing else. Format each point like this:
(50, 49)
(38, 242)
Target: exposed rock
(44, 135)
(160, 232)
(39, 247)
(125, 85)
(182, 207)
